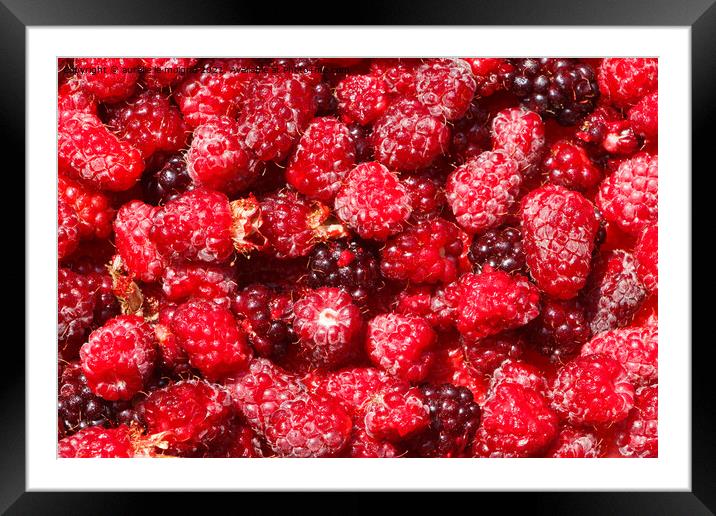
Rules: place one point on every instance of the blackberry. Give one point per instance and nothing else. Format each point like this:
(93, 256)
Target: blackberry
(364, 151)
(471, 134)
(454, 418)
(501, 248)
(562, 88)
(171, 180)
(265, 317)
(347, 265)
(560, 329)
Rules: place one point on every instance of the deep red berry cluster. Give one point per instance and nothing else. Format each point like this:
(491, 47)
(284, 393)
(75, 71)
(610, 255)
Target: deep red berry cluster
(357, 257)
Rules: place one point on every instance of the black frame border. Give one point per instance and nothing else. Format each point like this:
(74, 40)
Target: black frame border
(700, 15)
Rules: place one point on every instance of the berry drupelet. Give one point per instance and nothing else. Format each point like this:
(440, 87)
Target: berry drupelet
(500, 248)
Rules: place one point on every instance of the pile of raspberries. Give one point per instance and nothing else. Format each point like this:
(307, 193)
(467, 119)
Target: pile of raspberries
(357, 257)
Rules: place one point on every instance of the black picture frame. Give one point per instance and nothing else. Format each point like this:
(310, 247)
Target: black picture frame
(700, 15)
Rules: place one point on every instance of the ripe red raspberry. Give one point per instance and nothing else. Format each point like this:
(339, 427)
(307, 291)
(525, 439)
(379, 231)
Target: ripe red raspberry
(445, 87)
(294, 422)
(398, 74)
(190, 416)
(569, 165)
(575, 443)
(625, 80)
(558, 231)
(592, 390)
(372, 201)
(75, 306)
(402, 345)
(636, 349)
(361, 98)
(87, 150)
(644, 116)
(97, 442)
(641, 436)
(427, 196)
(494, 301)
(629, 197)
(276, 111)
(240, 443)
(324, 155)
(561, 329)
(131, 236)
(471, 134)
(613, 292)
(485, 355)
(435, 304)
(72, 99)
(396, 413)
(108, 79)
(516, 422)
(93, 209)
(264, 314)
(182, 282)
(353, 386)
(162, 72)
(362, 445)
(432, 251)
(452, 366)
(216, 89)
(119, 358)
(489, 74)
(521, 373)
(408, 137)
(196, 226)
(327, 324)
(149, 122)
(217, 159)
(520, 133)
(482, 191)
(211, 337)
(647, 258)
(68, 229)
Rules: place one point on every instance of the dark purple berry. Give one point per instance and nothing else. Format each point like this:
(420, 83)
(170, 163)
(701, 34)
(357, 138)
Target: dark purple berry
(501, 248)
(364, 151)
(171, 180)
(265, 319)
(560, 330)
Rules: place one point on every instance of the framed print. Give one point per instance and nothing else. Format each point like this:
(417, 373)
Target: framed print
(398, 257)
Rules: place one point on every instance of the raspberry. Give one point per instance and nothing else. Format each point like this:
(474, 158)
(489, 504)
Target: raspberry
(93, 209)
(372, 201)
(216, 89)
(562, 88)
(408, 137)
(398, 74)
(521, 373)
(558, 231)
(190, 416)
(432, 251)
(489, 74)
(482, 191)
(75, 306)
(445, 87)
(276, 111)
(211, 337)
(327, 324)
(324, 155)
(294, 422)
(162, 72)
(396, 413)
(454, 418)
(500, 249)
(471, 134)
(569, 165)
(644, 116)
(613, 292)
(641, 437)
(494, 301)
(241, 443)
(435, 305)
(362, 445)
(625, 80)
(561, 329)
(139, 254)
(520, 134)
(72, 99)
(516, 422)
(361, 98)
(168, 182)
(265, 319)
(195, 226)
(173, 360)
(87, 150)
(108, 79)
(575, 443)
(636, 349)
(427, 197)
(182, 282)
(485, 355)
(97, 442)
(77, 407)
(119, 358)
(607, 130)
(217, 159)
(402, 345)
(355, 386)
(647, 258)
(592, 390)
(68, 229)
(149, 122)
(629, 197)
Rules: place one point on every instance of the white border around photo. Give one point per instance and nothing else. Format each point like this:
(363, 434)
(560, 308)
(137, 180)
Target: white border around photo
(670, 471)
